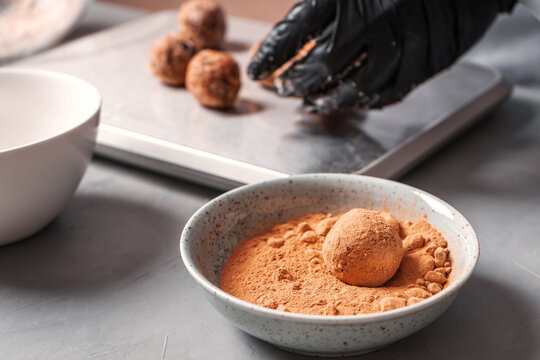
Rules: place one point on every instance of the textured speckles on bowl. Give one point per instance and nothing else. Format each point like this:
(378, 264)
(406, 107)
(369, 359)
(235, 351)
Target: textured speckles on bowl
(214, 231)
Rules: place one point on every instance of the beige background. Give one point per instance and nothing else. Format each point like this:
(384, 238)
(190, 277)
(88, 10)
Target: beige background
(269, 10)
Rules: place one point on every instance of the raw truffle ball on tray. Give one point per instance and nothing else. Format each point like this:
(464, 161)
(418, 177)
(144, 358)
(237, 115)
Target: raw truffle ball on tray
(213, 78)
(203, 21)
(169, 58)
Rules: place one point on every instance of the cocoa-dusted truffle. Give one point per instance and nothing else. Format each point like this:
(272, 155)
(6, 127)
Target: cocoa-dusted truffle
(363, 248)
(213, 78)
(203, 21)
(169, 57)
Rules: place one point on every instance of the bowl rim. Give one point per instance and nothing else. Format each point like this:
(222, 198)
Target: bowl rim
(58, 76)
(320, 319)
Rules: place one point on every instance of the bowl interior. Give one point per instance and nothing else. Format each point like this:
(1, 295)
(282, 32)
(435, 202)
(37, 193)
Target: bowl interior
(219, 226)
(37, 105)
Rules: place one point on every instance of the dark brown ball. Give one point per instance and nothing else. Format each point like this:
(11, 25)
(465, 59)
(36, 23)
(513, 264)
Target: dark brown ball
(169, 58)
(203, 21)
(213, 78)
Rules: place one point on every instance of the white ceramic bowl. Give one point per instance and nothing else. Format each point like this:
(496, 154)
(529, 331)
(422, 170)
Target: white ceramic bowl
(212, 233)
(48, 125)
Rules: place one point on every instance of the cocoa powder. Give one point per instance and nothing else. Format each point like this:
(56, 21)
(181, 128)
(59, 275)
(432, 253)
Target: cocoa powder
(284, 269)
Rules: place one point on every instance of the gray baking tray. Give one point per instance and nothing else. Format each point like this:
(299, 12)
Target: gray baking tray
(164, 129)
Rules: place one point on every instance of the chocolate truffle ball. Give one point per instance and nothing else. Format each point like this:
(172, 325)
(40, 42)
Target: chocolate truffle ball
(169, 58)
(213, 78)
(363, 248)
(391, 220)
(203, 21)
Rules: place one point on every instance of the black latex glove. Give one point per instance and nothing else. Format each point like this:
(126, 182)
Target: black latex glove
(370, 53)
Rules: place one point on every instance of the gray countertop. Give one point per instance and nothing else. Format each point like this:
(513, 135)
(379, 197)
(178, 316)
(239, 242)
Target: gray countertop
(104, 280)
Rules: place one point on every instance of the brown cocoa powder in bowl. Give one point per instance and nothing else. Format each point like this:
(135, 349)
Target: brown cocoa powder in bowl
(284, 269)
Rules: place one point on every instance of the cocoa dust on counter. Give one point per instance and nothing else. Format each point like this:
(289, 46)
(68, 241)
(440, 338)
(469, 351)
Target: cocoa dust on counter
(284, 269)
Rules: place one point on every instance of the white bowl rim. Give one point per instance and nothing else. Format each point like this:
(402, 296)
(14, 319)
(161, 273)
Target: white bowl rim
(326, 319)
(58, 75)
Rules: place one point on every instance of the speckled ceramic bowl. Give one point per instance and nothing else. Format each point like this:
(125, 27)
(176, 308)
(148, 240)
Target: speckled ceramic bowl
(213, 232)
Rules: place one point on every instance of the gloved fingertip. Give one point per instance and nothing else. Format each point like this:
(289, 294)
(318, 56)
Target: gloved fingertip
(254, 70)
(320, 105)
(310, 109)
(285, 87)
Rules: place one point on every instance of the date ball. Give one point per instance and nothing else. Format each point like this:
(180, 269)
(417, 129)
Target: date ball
(363, 248)
(169, 58)
(203, 21)
(213, 78)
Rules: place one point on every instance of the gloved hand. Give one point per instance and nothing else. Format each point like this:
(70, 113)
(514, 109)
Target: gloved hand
(369, 53)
